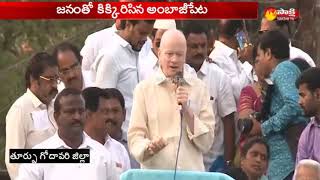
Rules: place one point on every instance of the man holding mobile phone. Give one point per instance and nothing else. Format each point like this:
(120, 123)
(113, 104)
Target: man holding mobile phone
(245, 50)
(225, 55)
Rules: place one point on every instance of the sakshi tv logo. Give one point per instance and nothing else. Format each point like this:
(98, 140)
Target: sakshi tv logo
(272, 13)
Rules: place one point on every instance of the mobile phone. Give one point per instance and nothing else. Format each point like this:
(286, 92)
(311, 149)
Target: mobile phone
(241, 38)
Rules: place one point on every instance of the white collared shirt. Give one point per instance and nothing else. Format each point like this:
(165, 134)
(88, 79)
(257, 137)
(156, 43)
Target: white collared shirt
(100, 40)
(148, 65)
(117, 67)
(156, 114)
(87, 81)
(119, 154)
(298, 53)
(226, 58)
(93, 44)
(223, 104)
(28, 122)
(101, 166)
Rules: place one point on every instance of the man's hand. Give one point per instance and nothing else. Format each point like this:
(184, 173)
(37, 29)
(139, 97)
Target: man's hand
(155, 146)
(182, 96)
(246, 54)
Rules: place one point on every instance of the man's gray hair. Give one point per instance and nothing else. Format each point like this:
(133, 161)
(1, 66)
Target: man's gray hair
(308, 163)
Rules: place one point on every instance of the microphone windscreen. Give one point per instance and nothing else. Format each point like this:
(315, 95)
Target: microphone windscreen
(179, 77)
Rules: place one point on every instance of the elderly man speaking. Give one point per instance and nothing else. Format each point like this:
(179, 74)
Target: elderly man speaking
(171, 120)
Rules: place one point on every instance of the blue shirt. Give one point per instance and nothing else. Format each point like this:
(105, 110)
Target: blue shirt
(284, 110)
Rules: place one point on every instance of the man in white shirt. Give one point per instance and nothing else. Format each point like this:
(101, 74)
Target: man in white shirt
(225, 56)
(117, 66)
(223, 103)
(69, 113)
(102, 39)
(30, 118)
(69, 59)
(157, 118)
(284, 27)
(101, 107)
(115, 121)
(94, 43)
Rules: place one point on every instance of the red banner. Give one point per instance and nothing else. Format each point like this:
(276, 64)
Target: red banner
(134, 10)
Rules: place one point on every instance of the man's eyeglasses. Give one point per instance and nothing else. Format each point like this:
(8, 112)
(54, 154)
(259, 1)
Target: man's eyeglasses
(51, 79)
(68, 70)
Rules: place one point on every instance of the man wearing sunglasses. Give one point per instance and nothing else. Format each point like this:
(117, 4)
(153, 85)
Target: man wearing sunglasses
(284, 27)
(30, 119)
(69, 59)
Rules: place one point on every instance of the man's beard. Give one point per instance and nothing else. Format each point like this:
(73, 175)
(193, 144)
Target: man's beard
(198, 57)
(135, 48)
(309, 114)
(53, 92)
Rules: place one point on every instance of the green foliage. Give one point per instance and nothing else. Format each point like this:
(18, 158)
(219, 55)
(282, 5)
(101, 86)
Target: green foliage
(40, 35)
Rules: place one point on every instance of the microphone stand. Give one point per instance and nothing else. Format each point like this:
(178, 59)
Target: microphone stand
(179, 81)
(179, 143)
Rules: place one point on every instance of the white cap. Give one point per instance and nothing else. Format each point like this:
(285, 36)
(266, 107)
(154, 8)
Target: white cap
(165, 24)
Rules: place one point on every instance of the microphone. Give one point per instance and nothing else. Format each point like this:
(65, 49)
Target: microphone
(178, 80)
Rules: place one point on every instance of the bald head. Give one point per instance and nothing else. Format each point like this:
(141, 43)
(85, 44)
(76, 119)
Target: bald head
(172, 52)
(159, 27)
(307, 169)
(171, 38)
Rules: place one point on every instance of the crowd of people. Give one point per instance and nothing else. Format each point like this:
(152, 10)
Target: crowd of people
(144, 94)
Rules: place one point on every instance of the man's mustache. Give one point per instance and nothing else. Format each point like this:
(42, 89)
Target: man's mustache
(112, 122)
(54, 91)
(72, 79)
(198, 56)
